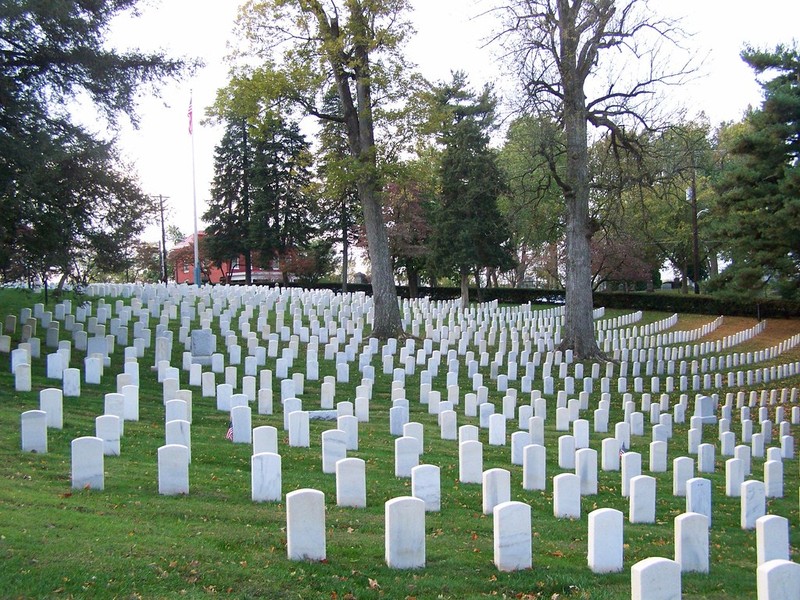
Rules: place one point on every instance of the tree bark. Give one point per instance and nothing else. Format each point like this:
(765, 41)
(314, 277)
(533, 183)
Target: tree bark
(478, 290)
(464, 290)
(413, 280)
(386, 322)
(578, 330)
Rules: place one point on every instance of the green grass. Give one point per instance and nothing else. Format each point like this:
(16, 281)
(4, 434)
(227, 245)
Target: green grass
(128, 541)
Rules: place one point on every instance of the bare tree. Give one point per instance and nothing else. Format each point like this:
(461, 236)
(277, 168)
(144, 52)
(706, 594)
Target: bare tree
(559, 51)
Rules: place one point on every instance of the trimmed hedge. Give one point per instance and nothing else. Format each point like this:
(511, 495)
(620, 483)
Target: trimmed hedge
(708, 305)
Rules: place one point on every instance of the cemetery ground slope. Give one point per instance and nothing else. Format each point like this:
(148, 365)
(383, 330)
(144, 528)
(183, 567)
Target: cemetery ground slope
(128, 540)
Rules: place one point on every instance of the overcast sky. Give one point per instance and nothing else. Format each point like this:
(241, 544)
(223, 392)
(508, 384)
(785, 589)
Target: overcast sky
(450, 36)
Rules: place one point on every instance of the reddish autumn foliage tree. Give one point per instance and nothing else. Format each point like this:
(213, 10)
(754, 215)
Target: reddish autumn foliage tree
(405, 213)
(619, 258)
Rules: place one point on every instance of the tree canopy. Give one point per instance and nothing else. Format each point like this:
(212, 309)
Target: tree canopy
(65, 197)
(307, 46)
(760, 185)
(469, 233)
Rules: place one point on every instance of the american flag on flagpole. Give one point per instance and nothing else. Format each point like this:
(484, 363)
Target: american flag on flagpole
(229, 433)
(190, 116)
(621, 450)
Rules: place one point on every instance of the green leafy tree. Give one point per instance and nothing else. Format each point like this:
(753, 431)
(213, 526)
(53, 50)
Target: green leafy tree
(680, 161)
(175, 235)
(50, 54)
(142, 264)
(469, 233)
(305, 47)
(79, 217)
(533, 205)
(760, 186)
(407, 207)
(146, 264)
(339, 208)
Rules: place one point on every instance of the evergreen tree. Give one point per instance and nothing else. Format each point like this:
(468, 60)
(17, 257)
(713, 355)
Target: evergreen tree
(282, 201)
(228, 214)
(469, 233)
(262, 205)
(66, 202)
(760, 187)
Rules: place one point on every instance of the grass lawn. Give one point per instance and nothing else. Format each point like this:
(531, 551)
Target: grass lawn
(127, 541)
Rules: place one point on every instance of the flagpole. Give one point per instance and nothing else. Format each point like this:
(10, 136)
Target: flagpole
(194, 200)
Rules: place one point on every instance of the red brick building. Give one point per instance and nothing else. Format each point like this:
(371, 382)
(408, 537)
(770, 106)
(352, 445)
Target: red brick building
(182, 259)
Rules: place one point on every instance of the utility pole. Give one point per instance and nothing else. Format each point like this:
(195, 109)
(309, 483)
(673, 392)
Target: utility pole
(163, 239)
(162, 254)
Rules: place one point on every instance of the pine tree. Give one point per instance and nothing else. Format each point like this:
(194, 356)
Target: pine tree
(282, 202)
(760, 187)
(228, 214)
(469, 233)
(66, 203)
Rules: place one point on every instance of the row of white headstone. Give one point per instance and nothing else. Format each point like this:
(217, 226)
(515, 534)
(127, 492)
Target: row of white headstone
(405, 520)
(94, 370)
(178, 487)
(336, 442)
(105, 425)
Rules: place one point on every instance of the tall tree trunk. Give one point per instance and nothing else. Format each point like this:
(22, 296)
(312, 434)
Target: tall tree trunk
(464, 289)
(345, 246)
(387, 322)
(578, 331)
(358, 119)
(413, 280)
(478, 290)
(713, 263)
